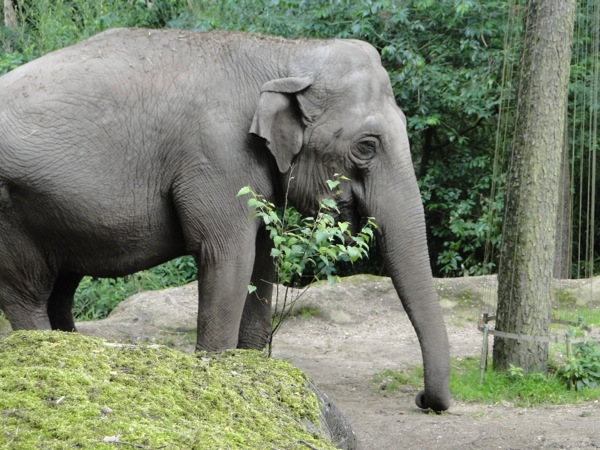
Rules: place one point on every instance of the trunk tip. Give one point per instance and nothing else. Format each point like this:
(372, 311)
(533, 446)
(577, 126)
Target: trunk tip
(437, 405)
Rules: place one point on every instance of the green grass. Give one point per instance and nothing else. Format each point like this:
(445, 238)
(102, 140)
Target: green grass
(531, 389)
(307, 312)
(519, 389)
(526, 390)
(590, 316)
(389, 380)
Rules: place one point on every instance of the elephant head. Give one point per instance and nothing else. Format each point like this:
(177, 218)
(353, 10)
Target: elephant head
(336, 113)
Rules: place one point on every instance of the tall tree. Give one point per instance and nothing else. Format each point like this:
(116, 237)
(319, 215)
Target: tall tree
(528, 246)
(10, 19)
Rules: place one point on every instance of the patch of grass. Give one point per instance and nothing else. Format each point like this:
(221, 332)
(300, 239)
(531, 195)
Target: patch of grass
(65, 390)
(176, 340)
(307, 312)
(4, 325)
(564, 298)
(461, 319)
(590, 316)
(514, 387)
(390, 380)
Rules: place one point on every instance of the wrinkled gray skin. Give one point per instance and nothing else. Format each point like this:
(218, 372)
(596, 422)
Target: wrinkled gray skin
(128, 149)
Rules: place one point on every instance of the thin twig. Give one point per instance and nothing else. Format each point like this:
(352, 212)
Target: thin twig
(312, 447)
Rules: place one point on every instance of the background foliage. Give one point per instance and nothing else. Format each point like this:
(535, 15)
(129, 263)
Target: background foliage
(447, 61)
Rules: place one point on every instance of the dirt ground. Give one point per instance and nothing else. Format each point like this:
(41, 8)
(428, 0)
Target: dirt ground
(359, 338)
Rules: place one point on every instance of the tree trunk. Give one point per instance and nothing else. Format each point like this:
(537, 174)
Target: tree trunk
(10, 18)
(528, 245)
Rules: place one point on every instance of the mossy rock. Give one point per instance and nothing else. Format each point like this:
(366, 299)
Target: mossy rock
(66, 390)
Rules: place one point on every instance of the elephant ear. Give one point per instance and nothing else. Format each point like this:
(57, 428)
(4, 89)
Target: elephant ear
(279, 119)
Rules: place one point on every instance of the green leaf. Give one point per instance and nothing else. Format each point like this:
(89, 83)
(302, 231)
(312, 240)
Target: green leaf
(243, 191)
(328, 204)
(354, 254)
(321, 236)
(251, 288)
(343, 226)
(328, 219)
(255, 203)
(332, 184)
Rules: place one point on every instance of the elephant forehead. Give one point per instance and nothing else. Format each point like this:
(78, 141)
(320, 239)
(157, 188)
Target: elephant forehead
(374, 123)
(368, 85)
(360, 105)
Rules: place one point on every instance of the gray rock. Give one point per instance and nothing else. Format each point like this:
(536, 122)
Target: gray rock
(334, 424)
(167, 316)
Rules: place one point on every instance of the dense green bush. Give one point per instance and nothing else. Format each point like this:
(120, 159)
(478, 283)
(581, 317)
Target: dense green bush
(582, 369)
(583, 140)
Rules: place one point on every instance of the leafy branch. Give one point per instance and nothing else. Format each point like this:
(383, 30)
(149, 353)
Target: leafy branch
(306, 247)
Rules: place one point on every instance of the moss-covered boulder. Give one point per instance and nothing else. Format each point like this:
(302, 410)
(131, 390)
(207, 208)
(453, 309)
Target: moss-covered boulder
(66, 390)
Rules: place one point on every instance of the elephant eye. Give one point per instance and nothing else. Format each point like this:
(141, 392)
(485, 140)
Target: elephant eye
(366, 148)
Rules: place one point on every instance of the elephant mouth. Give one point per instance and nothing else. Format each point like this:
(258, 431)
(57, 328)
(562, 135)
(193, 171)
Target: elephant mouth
(347, 208)
(348, 212)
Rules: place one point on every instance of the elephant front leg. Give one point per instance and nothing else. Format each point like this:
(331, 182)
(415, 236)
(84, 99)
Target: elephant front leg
(255, 328)
(222, 290)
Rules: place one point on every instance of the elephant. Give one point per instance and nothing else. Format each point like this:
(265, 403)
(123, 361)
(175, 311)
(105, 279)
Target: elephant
(127, 149)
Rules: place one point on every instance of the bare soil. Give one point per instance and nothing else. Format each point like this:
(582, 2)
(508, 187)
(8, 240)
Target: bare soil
(353, 338)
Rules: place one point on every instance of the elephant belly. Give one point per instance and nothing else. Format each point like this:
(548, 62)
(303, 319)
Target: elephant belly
(104, 240)
(122, 255)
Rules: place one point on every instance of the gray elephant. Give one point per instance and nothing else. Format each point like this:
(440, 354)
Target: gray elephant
(127, 150)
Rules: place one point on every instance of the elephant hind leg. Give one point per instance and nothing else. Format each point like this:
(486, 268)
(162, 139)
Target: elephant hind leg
(26, 281)
(60, 302)
(23, 311)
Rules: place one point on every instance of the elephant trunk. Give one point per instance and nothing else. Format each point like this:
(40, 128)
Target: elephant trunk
(401, 227)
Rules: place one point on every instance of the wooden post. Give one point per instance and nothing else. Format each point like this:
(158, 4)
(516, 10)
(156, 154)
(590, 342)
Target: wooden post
(484, 352)
(569, 353)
